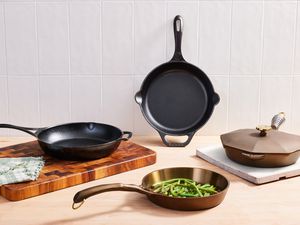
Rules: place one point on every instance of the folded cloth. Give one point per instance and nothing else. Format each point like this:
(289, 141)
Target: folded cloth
(15, 170)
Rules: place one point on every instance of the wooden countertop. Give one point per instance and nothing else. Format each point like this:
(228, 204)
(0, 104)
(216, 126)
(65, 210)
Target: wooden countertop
(245, 203)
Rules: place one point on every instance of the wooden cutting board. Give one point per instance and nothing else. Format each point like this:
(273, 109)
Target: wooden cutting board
(58, 174)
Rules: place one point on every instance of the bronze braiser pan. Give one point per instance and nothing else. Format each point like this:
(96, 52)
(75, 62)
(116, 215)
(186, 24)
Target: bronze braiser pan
(264, 146)
(191, 203)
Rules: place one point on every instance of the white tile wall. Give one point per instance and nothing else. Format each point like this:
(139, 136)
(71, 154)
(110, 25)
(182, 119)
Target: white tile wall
(296, 49)
(246, 41)
(295, 111)
(149, 35)
(21, 45)
(86, 99)
(243, 108)
(54, 100)
(2, 41)
(214, 36)
(53, 37)
(279, 34)
(77, 60)
(85, 39)
(23, 101)
(118, 101)
(275, 96)
(117, 34)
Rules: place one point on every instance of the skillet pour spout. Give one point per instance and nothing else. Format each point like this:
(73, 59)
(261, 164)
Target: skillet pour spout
(199, 175)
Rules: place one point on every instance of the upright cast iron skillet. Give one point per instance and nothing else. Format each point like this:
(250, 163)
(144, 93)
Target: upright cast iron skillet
(177, 98)
(77, 141)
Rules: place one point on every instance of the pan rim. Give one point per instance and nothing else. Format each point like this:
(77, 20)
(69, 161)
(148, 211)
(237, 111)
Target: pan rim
(210, 91)
(201, 168)
(77, 123)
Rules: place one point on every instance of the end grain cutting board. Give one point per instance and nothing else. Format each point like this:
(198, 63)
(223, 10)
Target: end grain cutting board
(58, 174)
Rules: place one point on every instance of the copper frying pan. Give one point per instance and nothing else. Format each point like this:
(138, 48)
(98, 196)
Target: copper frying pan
(194, 203)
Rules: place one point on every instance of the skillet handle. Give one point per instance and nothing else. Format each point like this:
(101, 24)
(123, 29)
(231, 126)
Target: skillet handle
(80, 196)
(129, 135)
(183, 144)
(28, 130)
(178, 27)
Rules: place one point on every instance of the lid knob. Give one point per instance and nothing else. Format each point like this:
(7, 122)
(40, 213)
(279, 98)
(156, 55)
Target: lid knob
(263, 129)
(276, 122)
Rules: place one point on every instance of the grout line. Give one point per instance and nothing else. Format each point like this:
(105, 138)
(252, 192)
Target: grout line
(116, 75)
(229, 74)
(261, 61)
(37, 62)
(166, 30)
(69, 59)
(143, 75)
(133, 60)
(198, 37)
(6, 65)
(101, 58)
(198, 32)
(66, 74)
(135, 72)
(133, 4)
(25, 76)
(118, 1)
(292, 93)
(128, 74)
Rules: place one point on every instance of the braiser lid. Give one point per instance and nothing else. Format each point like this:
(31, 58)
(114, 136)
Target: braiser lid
(249, 140)
(265, 139)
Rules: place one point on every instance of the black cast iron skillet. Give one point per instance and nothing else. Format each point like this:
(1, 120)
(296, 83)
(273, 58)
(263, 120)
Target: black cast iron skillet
(77, 141)
(177, 98)
(199, 175)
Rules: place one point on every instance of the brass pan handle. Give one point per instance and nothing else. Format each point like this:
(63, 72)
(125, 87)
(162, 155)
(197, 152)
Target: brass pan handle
(80, 196)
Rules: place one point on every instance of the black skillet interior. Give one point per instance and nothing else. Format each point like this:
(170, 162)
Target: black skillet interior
(79, 134)
(81, 141)
(178, 98)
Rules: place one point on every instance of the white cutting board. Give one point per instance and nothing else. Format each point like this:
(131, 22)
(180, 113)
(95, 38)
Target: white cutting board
(216, 155)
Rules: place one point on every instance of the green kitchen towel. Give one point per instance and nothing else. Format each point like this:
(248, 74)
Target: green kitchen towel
(15, 170)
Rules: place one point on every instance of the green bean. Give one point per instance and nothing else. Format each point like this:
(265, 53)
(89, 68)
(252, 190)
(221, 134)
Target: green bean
(184, 188)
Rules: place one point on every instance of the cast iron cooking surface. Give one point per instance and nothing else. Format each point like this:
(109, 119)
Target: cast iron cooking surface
(79, 142)
(79, 134)
(177, 100)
